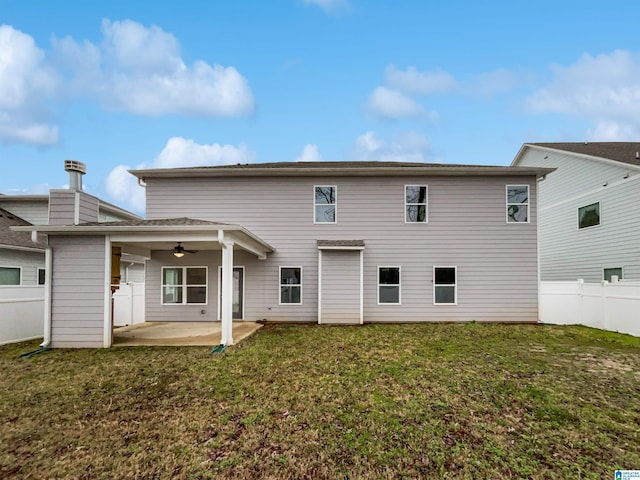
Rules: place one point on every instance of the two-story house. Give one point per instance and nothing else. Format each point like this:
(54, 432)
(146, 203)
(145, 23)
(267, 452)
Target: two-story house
(588, 209)
(326, 242)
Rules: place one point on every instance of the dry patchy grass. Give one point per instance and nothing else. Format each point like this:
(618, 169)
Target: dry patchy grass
(377, 401)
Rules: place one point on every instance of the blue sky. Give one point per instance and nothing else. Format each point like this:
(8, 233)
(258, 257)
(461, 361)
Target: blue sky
(124, 84)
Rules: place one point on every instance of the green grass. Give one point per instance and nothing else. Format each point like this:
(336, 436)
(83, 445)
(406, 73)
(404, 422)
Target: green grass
(378, 401)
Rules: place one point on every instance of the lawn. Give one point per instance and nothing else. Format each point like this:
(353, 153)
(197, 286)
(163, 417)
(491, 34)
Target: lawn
(376, 401)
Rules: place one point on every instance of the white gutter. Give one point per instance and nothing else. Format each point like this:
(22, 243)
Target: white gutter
(48, 275)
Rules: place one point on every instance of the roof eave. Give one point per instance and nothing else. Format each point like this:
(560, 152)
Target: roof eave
(338, 171)
(107, 229)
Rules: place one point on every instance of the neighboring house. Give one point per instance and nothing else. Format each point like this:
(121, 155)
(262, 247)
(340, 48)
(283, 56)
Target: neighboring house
(35, 210)
(589, 209)
(23, 257)
(22, 277)
(327, 242)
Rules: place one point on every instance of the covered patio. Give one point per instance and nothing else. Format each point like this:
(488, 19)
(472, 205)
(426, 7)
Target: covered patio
(179, 333)
(80, 261)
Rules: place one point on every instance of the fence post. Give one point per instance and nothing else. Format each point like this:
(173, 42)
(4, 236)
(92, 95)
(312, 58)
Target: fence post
(605, 313)
(580, 302)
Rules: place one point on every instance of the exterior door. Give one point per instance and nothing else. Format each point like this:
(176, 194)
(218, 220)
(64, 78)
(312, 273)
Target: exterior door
(238, 292)
(341, 287)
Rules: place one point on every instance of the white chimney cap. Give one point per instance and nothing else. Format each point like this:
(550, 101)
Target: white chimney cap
(75, 166)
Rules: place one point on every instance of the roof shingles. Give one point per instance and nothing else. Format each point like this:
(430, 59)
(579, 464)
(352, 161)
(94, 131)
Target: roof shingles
(16, 239)
(625, 152)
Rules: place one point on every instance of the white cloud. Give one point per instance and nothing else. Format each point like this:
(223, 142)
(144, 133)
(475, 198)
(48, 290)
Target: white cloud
(611, 131)
(140, 70)
(26, 84)
(497, 81)
(123, 187)
(309, 153)
(414, 82)
(405, 147)
(331, 7)
(393, 105)
(178, 152)
(603, 89)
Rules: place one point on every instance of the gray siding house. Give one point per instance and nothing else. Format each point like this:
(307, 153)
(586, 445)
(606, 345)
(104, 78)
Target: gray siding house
(326, 242)
(588, 209)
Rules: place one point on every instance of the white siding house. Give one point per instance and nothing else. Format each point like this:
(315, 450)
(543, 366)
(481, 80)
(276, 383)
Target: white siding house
(328, 242)
(588, 209)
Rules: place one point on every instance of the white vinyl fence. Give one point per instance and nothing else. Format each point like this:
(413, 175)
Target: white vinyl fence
(608, 306)
(128, 304)
(21, 313)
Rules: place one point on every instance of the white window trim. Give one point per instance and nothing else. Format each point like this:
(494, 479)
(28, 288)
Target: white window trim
(335, 220)
(612, 268)
(506, 199)
(455, 285)
(426, 203)
(399, 285)
(244, 281)
(21, 276)
(184, 284)
(599, 216)
(38, 276)
(280, 284)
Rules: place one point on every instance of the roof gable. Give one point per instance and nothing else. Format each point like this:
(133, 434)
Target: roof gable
(622, 152)
(11, 238)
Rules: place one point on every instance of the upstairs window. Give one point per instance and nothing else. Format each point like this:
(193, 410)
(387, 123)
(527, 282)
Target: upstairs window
(184, 285)
(324, 204)
(415, 203)
(290, 285)
(389, 285)
(608, 273)
(589, 215)
(10, 275)
(517, 203)
(445, 285)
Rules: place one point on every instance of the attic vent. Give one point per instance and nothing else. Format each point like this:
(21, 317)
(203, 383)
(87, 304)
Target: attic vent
(75, 166)
(76, 170)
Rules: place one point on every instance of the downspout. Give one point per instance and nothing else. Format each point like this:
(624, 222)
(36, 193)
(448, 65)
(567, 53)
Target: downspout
(48, 275)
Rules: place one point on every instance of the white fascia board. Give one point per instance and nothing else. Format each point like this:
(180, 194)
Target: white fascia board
(24, 249)
(465, 171)
(338, 247)
(163, 237)
(247, 243)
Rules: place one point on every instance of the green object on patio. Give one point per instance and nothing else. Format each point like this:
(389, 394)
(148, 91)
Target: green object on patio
(218, 349)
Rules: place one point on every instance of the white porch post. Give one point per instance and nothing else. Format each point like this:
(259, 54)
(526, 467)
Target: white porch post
(226, 290)
(107, 335)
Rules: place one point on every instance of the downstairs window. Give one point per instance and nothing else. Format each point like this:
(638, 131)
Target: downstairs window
(184, 285)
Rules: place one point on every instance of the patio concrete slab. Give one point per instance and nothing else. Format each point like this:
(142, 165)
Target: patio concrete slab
(179, 333)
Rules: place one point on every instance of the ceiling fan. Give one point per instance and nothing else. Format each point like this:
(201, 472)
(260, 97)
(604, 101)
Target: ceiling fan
(179, 250)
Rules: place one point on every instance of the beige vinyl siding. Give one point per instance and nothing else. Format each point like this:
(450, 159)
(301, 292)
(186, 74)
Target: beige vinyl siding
(569, 253)
(28, 261)
(78, 274)
(497, 272)
(34, 212)
(88, 208)
(260, 295)
(340, 287)
(62, 204)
